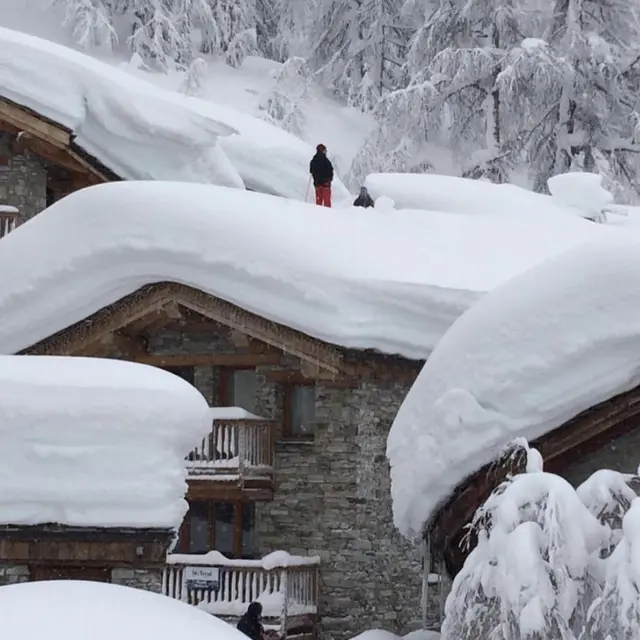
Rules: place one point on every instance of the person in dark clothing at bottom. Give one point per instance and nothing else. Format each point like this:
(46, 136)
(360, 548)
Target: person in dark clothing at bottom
(251, 622)
(364, 199)
(321, 170)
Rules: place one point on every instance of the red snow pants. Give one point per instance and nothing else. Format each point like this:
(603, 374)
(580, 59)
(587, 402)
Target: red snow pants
(323, 195)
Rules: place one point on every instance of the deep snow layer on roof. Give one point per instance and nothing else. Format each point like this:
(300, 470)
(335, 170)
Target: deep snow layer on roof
(530, 355)
(359, 278)
(66, 609)
(92, 442)
(136, 129)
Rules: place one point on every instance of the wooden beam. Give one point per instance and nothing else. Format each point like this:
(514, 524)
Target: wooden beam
(105, 321)
(172, 310)
(238, 360)
(297, 378)
(239, 339)
(25, 119)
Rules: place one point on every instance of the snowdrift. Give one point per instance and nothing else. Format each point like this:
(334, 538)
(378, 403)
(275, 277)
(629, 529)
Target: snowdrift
(461, 195)
(91, 442)
(533, 353)
(363, 280)
(65, 609)
(136, 129)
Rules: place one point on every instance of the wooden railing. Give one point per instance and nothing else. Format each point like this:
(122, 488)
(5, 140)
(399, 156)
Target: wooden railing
(289, 595)
(243, 447)
(9, 220)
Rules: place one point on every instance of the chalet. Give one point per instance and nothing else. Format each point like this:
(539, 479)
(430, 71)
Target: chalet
(295, 459)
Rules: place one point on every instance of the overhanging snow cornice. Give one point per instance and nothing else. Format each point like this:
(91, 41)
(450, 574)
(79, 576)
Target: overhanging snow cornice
(51, 140)
(160, 296)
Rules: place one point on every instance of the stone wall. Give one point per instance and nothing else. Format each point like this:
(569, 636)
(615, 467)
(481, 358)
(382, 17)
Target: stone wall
(13, 574)
(23, 181)
(332, 499)
(147, 579)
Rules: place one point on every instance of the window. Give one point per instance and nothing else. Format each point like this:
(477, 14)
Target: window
(228, 527)
(186, 373)
(239, 389)
(299, 411)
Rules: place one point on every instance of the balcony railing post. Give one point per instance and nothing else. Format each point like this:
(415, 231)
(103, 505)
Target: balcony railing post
(285, 603)
(9, 219)
(242, 447)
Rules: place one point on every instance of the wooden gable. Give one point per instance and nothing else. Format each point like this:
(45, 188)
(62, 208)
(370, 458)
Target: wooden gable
(583, 435)
(53, 143)
(122, 326)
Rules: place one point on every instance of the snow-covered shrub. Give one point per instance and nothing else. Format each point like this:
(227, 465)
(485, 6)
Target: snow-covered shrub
(532, 574)
(616, 614)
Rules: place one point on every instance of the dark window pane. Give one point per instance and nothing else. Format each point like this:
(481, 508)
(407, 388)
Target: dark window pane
(249, 540)
(225, 517)
(199, 540)
(186, 373)
(303, 409)
(243, 389)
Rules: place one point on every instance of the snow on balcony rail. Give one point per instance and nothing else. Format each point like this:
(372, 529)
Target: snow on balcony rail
(285, 585)
(9, 219)
(239, 442)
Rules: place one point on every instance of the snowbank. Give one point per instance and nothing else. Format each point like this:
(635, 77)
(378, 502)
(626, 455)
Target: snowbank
(136, 129)
(527, 357)
(461, 195)
(362, 280)
(65, 610)
(274, 560)
(582, 191)
(93, 442)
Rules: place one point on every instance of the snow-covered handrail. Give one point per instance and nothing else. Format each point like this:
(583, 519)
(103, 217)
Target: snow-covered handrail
(286, 585)
(234, 446)
(9, 219)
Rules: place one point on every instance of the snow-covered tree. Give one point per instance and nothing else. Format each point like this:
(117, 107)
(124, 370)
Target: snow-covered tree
(194, 78)
(616, 614)
(284, 103)
(90, 22)
(531, 575)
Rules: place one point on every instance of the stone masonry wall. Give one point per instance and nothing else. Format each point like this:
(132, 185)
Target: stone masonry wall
(147, 579)
(13, 574)
(333, 500)
(23, 181)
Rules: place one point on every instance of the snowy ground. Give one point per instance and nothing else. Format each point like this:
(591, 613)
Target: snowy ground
(392, 281)
(72, 430)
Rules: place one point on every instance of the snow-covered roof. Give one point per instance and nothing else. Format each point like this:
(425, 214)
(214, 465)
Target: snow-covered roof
(529, 356)
(357, 278)
(91, 442)
(144, 132)
(66, 609)
(134, 128)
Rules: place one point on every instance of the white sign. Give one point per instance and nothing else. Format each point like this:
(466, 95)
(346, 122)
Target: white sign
(202, 578)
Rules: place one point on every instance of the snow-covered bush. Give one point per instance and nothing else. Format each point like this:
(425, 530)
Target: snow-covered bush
(194, 78)
(616, 614)
(532, 567)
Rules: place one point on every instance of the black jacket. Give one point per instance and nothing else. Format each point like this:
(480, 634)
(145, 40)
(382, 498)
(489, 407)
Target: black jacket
(363, 201)
(321, 169)
(251, 627)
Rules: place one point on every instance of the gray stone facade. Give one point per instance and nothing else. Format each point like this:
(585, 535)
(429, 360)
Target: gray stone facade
(147, 579)
(23, 180)
(332, 496)
(13, 574)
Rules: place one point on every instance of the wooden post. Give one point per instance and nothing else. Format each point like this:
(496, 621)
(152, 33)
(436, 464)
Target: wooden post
(426, 567)
(285, 602)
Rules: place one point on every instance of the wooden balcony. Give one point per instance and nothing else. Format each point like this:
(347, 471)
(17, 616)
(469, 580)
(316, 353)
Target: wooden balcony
(9, 220)
(236, 451)
(289, 594)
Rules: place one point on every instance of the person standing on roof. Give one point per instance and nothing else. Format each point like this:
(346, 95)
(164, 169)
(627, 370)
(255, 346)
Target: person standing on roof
(321, 170)
(364, 199)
